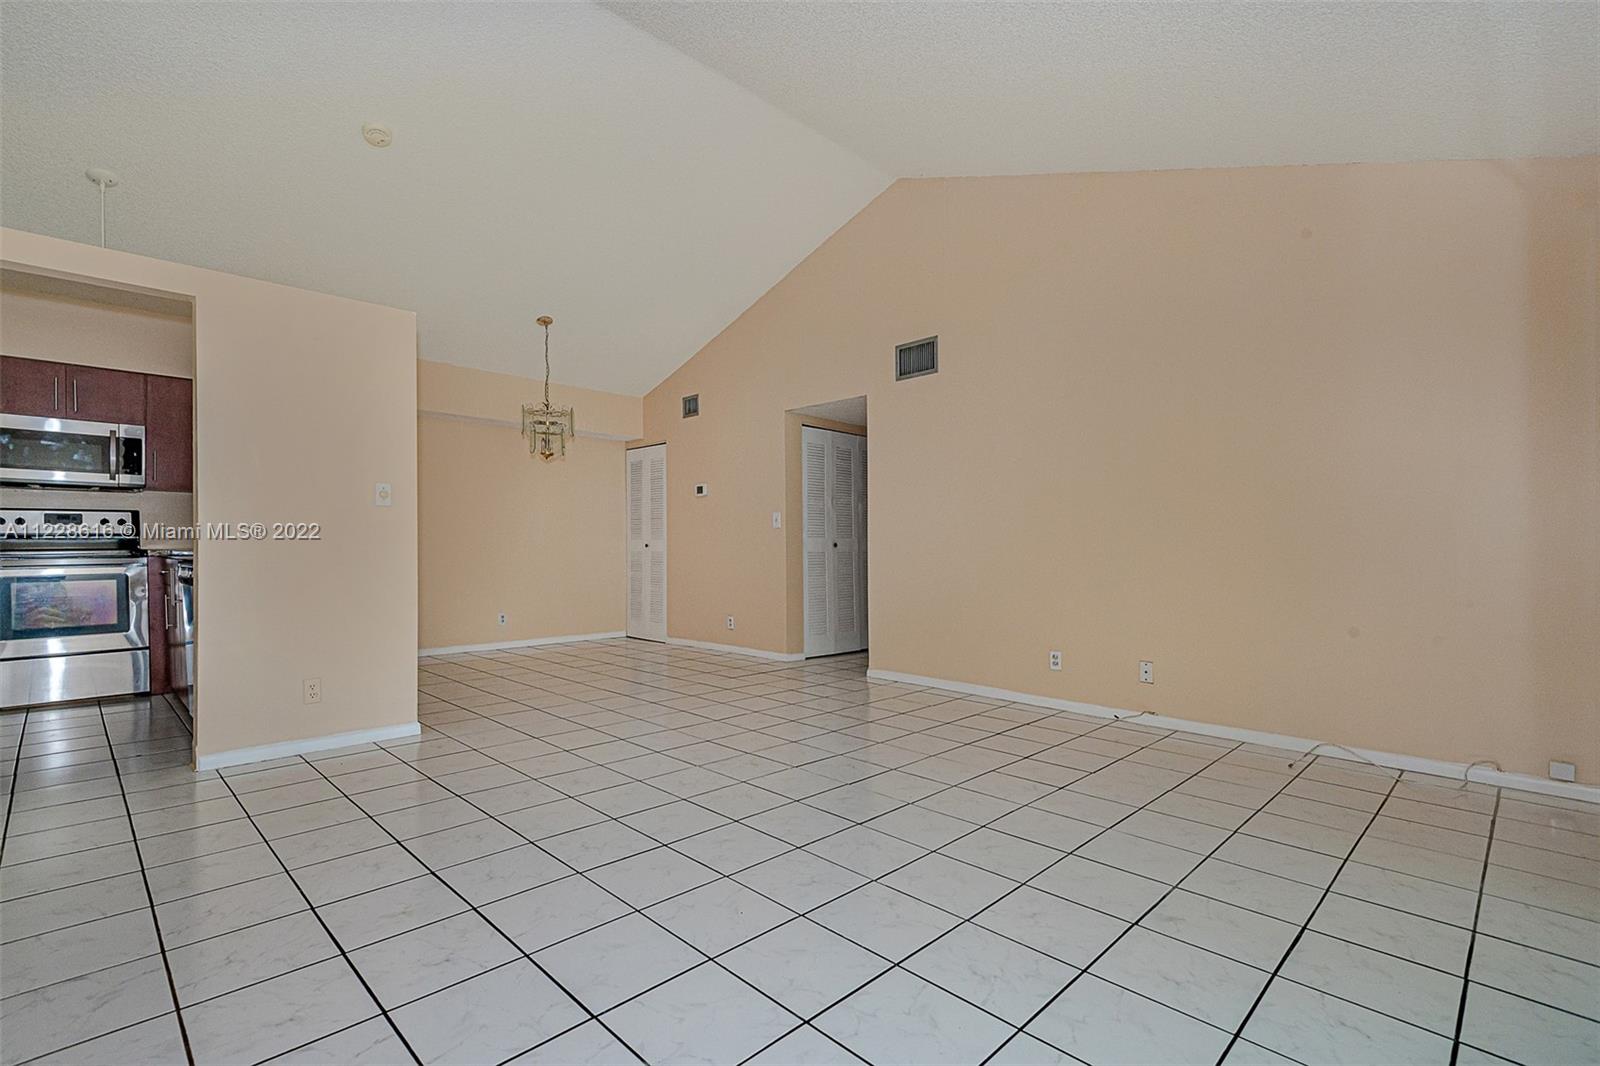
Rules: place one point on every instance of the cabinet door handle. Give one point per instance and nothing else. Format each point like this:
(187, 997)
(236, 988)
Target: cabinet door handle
(74, 394)
(55, 393)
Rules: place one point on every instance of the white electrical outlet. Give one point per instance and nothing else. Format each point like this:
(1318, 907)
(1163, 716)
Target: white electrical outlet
(1055, 660)
(730, 621)
(1563, 771)
(1147, 672)
(502, 618)
(311, 690)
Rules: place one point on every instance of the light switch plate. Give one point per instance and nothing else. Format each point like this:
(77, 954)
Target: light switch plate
(382, 494)
(777, 519)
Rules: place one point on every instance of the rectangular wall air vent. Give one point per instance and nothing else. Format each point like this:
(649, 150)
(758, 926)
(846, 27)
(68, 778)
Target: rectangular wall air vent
(691, 405)
(916, 359)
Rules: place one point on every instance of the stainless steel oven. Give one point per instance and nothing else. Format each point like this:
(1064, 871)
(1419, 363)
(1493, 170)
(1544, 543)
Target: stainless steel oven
(67, 451)
(74, 607)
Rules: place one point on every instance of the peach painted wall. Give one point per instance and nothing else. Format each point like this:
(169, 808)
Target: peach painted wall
(500, 530)
(63, 330)
(303, 403)
(1321, 442)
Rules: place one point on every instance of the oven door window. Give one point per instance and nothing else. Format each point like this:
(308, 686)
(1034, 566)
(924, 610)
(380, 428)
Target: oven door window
(71, 605)
(56, 451)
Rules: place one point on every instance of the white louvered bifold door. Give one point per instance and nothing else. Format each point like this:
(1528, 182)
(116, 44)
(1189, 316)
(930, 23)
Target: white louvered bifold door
(833, 473)
(647, 542)
(814, 487)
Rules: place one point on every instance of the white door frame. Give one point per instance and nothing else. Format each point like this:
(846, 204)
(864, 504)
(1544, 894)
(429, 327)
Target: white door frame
(646, 518)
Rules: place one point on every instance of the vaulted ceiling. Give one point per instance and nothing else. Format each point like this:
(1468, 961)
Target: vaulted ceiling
(644, 173)
(1016, 88)
(547, 158)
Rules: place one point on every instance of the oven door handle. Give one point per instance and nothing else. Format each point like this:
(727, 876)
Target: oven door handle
(47, 570)
(116, 457)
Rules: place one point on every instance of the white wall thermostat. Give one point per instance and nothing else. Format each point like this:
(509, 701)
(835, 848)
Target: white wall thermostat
(702, 489)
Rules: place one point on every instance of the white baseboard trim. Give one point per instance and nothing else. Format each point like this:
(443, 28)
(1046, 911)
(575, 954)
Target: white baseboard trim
(1437, 767)
(505, 645)
(758, 653)
(264, 752)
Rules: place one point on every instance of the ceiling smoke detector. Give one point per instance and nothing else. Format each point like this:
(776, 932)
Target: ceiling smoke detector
(377, 136)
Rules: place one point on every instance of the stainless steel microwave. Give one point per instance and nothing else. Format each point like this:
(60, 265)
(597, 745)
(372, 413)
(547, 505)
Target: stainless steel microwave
(66, 451)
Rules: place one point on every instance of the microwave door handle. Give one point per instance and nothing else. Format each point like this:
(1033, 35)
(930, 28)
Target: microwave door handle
(116, 458)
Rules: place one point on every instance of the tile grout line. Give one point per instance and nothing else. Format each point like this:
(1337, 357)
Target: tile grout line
(1393, 780)
(473, 908)
(16, 773)
(1306, 924)
(1472, 937)
(963, 920)
(144, 877)
(382, 1010)
(969, 920)
(1156, 736)
(1147, 911)
(783, 682)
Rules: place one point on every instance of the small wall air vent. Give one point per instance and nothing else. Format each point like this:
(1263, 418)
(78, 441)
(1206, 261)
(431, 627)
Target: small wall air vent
(916, 359)
(691, 405)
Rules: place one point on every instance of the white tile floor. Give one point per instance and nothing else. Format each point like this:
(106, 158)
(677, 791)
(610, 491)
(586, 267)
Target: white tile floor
(618, 851)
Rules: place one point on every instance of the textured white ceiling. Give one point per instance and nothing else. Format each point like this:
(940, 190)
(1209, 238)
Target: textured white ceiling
(557, 158)
(546, 158)
(1011, 88)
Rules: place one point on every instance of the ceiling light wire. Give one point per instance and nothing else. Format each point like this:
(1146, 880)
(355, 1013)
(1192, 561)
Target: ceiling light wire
(103, 179)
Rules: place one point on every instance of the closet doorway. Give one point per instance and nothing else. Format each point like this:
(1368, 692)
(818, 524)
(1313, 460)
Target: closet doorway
(834, 500)
(647, 542)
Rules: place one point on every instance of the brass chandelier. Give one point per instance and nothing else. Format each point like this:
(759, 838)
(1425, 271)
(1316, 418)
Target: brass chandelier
(547, 428)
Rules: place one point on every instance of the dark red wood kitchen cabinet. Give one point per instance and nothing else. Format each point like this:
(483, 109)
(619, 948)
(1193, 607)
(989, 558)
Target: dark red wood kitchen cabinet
(33, 387)
(169, 434)
(95, 394)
